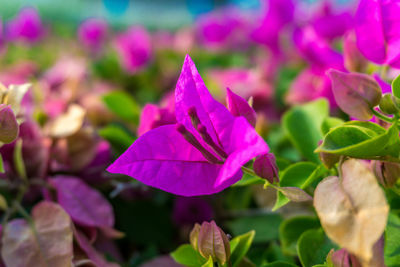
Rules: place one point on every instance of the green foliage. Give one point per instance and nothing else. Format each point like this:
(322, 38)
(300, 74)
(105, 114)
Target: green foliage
(123, 105)
(291, 230)
(303, 126)
(301, 175)
(392, 241)
(119, 138)
(362, 139)
(279, 264)
(330, 122)
(313, 246)
(265, 226)
(239, 247)
(187, 256)
(396, 87)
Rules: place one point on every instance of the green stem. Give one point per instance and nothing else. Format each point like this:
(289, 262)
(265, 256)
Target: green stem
(251, 172)
(381, 116)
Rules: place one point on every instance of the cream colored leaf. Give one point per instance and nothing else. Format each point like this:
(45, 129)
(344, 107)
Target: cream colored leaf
(15, 95)
(353, 210)
(68, 123)
(47, 243)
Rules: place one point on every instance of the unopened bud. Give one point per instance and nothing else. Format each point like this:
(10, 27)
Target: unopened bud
(355, 93)
(387, 173)
(389, 104)
(211, 242)
(194, 236)
(265, 167)
(8, 124)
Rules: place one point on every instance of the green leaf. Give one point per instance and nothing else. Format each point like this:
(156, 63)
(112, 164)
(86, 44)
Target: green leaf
(362, 139)
(301, 175)
(292, 228)
(396, 87)
(303, 126)
(209, 263)
(187, 256)
(279, 264)
(117, 136)
(1, 164)
(392, 241)
(19, 160)
(265, 226)
(330, 122)
(123, 105)
(239, 247)
(313, 246)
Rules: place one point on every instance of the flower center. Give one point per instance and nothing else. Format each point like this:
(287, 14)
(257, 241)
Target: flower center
(202, 130)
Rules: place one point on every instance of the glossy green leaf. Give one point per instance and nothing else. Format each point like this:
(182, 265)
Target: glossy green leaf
(123, 105)
(300, 175)
(239, 247)
(313, 246)
(392, 241)
(265, 226)
(396, 87)
(303, 126)
(187, 256)
(209, 263)
(291, 230)
(330, 122)
(361, 139)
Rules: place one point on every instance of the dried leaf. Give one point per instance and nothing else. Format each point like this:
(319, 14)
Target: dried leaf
(353, 210)
(68, 123)
(48, 242)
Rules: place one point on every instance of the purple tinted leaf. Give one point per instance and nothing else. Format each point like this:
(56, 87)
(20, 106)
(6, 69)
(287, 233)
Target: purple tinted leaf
(85, 205)
(265, 167)
(90, 251)
(239, 107)
(8, 124)
(48, 244)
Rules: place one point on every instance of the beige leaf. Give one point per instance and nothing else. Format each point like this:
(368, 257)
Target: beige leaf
(353, 211)
(68, 123)
(47, 243)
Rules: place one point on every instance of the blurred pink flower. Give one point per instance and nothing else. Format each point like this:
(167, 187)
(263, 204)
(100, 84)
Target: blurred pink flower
(134, 48)
(278, 14)
(223, 29)
(310, 84)
(26, 26)
(329, 23)
(92, 34)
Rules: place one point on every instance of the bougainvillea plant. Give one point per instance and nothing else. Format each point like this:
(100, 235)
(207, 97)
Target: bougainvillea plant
(277, 145)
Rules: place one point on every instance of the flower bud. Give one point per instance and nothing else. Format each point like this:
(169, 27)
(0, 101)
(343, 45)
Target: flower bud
(210, 241)
(355, 93)
(387, 173)
(389, 104)
(8, 124)
(194, 236)
(265, 167)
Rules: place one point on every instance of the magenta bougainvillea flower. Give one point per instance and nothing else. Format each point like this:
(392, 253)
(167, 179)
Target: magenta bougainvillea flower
(329, 23)
(26, 26)
(202, 153)
(317, 51)
(92, 34)
(377, 26)
(134, 48)
(278, 15)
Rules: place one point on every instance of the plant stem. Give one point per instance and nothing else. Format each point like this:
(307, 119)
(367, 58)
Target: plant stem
(381, 116)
